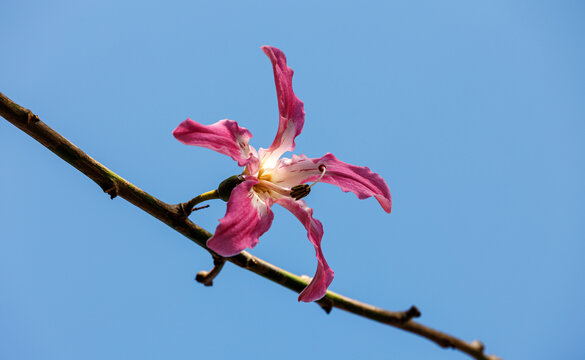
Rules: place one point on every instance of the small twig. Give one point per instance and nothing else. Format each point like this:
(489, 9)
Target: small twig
(173, 216)
(188, 207)
(200, 207)
(206, 277)
(411, 313)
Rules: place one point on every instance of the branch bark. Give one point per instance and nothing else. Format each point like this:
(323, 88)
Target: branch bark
(174, 216)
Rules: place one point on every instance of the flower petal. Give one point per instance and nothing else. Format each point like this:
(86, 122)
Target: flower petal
(324, 275)
(225, 136)
(247, 217)
(359, 180)
(290, 108)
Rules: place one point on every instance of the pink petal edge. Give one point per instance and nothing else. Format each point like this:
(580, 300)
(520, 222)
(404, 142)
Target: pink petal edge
(225, 136)
(247, 217)
(357, 179)
(290, 107)
(317, 288)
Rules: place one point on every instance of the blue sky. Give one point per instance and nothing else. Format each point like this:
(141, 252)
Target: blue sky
(473, 113)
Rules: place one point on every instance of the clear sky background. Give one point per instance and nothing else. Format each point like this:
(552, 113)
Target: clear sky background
(473, 112)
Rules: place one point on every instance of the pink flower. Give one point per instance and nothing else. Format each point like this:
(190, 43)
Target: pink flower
(269, 178)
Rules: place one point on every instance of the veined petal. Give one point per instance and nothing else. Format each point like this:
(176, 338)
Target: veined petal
(291, 109)
(225, 136)
(357, 179)
(324, 275)
(247, 217)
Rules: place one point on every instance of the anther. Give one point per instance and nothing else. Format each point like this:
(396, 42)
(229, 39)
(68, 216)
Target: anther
(298, 192)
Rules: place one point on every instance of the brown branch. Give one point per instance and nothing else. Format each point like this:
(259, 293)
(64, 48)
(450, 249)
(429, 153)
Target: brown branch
(174, 216)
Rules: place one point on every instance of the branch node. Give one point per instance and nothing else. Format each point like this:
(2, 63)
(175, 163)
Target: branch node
(182, 211)
(206, 277)
(30, 118)
(411, 313)
(477, 345)
(185, 209)
(445, 343)
(251, 262)
(112, 190)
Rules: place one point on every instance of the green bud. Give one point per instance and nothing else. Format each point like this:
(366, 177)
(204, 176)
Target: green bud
(225, 187)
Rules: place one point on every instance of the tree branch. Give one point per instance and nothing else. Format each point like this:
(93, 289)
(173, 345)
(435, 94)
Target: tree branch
(175, 217)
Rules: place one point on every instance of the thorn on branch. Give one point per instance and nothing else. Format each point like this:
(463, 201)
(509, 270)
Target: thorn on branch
(326, 305)
(206, 277)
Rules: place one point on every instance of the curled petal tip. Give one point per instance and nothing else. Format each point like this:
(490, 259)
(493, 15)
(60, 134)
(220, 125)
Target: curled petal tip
(317, 287)
(385, 202)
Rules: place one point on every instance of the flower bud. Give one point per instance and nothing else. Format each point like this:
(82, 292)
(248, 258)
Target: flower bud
(225, 187)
